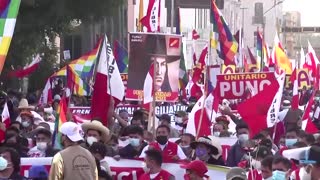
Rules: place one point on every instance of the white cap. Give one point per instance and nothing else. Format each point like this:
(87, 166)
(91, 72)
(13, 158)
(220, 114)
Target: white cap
(72, 131)
(57, 97)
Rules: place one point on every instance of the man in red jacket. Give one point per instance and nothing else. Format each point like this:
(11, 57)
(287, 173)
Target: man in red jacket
(153, 162)
(170, 151)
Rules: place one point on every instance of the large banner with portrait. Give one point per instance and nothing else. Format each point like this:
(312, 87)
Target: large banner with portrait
(161, 51)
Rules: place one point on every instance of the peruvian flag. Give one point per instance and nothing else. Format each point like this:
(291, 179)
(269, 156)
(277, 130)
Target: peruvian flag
(254, 111)
(307, 124)
(194, 126)
(311, 60)
(46, 96)
(108, 84)
(27, 70)
(148, 86)
(295, 93)
(152, 20)
(195, 36)
(200, 67)
(6, 115)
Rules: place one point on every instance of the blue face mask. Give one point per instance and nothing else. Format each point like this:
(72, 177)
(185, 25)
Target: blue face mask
(278, 175)
(290, 142)
(135, 142)
(201, 152)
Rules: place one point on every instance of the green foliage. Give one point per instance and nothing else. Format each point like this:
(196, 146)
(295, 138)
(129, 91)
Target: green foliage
(39, 22)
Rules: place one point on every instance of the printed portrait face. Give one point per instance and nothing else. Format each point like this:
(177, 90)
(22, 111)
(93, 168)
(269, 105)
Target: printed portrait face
(160, 71)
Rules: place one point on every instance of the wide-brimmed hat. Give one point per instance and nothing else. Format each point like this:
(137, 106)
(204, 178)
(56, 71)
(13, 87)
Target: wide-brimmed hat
(286, 104)
(206, 141)
(26, 113)
(23, 104)
(198, 167)
(156, 45)
(98, 126)
(236, 172)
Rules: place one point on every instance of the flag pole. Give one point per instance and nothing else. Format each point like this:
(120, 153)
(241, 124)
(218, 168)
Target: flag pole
(204, 96)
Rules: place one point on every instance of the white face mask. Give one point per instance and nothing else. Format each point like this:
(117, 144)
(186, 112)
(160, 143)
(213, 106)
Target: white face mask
(91, 140)
(256, 164)
(3, 163)
(178, 119)
(42, 146)
(145, 168)
(243, 137)
(25, 124)
(216, 134)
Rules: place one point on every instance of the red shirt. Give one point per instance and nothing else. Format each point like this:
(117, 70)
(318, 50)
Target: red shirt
(169, 151)
(163, 175)
(255, 174)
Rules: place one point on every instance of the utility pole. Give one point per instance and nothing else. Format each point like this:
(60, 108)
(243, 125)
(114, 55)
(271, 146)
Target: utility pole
(172, 15)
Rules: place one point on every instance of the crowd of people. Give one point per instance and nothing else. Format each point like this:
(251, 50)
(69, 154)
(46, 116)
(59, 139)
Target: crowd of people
(85, 146)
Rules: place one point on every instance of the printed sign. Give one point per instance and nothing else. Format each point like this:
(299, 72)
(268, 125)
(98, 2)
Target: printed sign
(163, 53)
(303, 77)
(235, 86)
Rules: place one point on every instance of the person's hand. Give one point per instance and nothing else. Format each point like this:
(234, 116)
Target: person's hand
(175, 158)
(2, 126)
(225, 110)
(117, 157)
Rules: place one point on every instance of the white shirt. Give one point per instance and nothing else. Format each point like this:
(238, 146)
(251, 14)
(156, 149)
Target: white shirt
(180, 152)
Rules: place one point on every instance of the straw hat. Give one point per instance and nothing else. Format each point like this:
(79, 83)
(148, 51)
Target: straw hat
(206, 141)
(23, 104)
(98, 126)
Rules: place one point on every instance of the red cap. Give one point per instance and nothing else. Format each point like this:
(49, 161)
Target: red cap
(197, 166)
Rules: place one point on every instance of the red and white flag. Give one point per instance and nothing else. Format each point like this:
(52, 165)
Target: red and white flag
(27, 70)
(108, 84)
(307, 124)
(195, 36)
(311, 61)
(46, 96)
(193, 126)
(148, 86)
(6, 115)
(200, 67)
(302, 58)
(152, 20)
(259, 106)
(295, 93)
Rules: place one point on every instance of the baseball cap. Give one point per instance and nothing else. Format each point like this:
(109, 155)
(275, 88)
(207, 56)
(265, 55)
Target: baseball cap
(197, 166)
(236, 172)
(72, 131)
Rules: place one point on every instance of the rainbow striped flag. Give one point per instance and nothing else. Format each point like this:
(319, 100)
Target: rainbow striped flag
(60, 119)
(221, 38)
(85, 64)
(75, 83)
(8, 14)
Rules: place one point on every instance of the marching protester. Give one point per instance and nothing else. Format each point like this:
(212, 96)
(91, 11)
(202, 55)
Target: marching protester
(153, 161)
(165, 119)
(170, 151)
(73, 162)
(185, 141)
(10, 164)
(95, 132)
(195, 170)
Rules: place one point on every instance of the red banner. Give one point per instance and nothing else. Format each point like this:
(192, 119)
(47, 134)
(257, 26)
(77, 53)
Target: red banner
(236, 86)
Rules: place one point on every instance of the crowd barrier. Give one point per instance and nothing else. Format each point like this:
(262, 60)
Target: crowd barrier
(126, 169)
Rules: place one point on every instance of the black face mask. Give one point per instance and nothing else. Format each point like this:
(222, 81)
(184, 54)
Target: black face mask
(162, 140)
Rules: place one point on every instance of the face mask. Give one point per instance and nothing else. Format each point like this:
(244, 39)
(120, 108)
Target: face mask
(278, 175)
(42, 146)
(178, 119)
(184, 147)
(135, 142)
(216, 134)
(201, 152)
(91, 140)
(290, 142)
(256, 164)
(3, 163)
(243, 137)
(145, 168)
(162, 140)
(25, 124)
